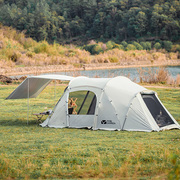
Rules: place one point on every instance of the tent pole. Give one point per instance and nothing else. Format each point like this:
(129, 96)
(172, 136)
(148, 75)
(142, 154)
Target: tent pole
(28, 103)
(55, 91)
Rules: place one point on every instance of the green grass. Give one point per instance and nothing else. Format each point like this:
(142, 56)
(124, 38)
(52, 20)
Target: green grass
(32, 152)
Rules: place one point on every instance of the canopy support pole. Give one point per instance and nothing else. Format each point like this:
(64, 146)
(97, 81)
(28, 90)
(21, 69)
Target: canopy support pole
(55, 91)
(28, 103)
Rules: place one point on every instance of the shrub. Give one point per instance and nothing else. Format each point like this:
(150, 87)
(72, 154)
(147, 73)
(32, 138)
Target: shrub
(113, 59)
(172, 55)
(28, 42)
(42, 47)
(146, 45)
(176, 48)
(13, 56)
(162, 75)
(157, 45)
(89, 47)
(154, 76)
(159, 56)
(30, 54)
(143, 44)
(137, 45)
(96, 49)
(130, 47)
(110, 45)
(167, 45)
(124, 43)
(70, 53)
(119, 46)
(93, 49)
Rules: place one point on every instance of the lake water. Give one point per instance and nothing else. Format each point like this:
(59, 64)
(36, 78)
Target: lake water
(132, 73)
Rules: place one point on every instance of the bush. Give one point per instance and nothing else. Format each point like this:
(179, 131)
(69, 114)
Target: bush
(124, 43)
(137, 45)
(41, 47)
(175, 48)
(28, 43)
(160, 75)
(157, 46)
(167, 45)
(93, 49)
(96, 49)
(70, 53)
(143, 44)
(130, 47)
(30, 54)
(113, 59)
(119, 46)
(89, 47)
(13, 57)
(146, 45)
(110, 45)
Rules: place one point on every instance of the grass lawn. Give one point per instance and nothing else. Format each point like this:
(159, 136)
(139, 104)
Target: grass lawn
(28, 151)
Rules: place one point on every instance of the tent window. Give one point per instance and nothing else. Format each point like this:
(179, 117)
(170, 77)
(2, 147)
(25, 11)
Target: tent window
(82, 102)
(156, 109)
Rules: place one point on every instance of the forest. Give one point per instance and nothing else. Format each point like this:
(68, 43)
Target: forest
(77, 21)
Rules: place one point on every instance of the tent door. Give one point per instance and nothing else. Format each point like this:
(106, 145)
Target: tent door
(81, 121)
(81, 109)
(156, 109)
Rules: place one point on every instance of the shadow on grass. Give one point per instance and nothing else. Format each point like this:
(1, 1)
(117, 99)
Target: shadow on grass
(19, 123)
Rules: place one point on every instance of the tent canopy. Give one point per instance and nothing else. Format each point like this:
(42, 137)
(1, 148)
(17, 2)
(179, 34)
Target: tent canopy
(32, 86)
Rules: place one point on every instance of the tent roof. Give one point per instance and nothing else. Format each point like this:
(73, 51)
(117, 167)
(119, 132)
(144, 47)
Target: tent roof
(89, 82)
(32, 86)
(121, 83)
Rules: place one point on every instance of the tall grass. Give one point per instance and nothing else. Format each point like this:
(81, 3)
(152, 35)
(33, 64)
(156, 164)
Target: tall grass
(32, 152)
(158, 76)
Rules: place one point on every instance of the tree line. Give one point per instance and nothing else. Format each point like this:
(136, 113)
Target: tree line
(118, 20)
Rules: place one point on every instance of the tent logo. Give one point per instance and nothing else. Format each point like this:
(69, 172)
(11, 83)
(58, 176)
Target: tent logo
(107, 122)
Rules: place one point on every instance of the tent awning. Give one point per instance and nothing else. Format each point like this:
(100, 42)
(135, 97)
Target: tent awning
(32, 86)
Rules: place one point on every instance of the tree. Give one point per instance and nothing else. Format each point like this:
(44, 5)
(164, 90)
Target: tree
(98, 25)
(141, 23)
(105, 19)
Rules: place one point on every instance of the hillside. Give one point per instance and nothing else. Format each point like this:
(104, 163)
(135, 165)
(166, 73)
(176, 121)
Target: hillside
(77, 21)
(19, 54)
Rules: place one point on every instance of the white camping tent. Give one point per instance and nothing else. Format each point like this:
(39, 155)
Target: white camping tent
(102, 103)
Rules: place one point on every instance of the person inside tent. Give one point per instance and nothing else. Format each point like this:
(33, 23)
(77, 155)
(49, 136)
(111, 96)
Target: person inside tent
(72, 106)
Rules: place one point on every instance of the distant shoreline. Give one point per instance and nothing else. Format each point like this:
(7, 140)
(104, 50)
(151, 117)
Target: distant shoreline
(36, 70)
